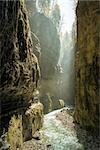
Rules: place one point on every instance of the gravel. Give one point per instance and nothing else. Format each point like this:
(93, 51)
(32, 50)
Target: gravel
(41, 141)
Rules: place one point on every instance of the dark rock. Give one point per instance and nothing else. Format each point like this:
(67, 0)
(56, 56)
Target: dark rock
(36, 138)
(49, 145)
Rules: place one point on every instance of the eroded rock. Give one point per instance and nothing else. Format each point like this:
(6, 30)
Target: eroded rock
(32, 120)
(47, 34)
(87, 65)
(19, 71)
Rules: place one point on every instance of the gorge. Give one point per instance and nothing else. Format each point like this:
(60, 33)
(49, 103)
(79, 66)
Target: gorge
(49, 75)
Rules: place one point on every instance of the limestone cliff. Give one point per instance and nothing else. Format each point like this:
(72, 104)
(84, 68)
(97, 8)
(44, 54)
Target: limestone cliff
(44, 28)
(49, 41)
(19, 70)
(18, 63)
(87, 65)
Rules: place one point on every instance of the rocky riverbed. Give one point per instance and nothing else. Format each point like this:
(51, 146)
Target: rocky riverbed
(59, 132)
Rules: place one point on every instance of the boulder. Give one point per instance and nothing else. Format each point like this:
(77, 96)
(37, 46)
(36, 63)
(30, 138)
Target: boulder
(32, 120)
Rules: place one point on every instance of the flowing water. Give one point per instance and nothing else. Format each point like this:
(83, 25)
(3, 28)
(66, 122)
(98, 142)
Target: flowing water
(59, 136)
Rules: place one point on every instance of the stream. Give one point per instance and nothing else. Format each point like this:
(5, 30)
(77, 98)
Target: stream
(59, 136)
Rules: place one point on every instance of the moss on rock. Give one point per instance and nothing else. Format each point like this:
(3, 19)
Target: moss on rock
(87, 65)
(19, 70)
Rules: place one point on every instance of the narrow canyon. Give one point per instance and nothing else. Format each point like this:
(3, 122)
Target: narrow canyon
(49, 75)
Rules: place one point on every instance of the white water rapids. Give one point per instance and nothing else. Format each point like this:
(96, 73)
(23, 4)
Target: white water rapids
(59, 137)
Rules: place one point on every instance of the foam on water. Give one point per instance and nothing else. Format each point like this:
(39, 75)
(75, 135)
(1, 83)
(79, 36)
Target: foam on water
(58, 135)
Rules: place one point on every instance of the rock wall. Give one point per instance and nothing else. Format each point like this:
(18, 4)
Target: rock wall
(87, 65)
(19, 69)
(44, 29)
(31, 10)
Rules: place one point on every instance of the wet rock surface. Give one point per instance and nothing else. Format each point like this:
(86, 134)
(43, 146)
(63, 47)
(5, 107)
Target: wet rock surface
(4, 145)
(41, 144)
(88, 140)
(59, 132)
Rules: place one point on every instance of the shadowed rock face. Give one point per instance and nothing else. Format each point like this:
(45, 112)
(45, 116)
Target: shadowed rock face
(45, 31)
(19, 70)
(49, 41)
(87, 65)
